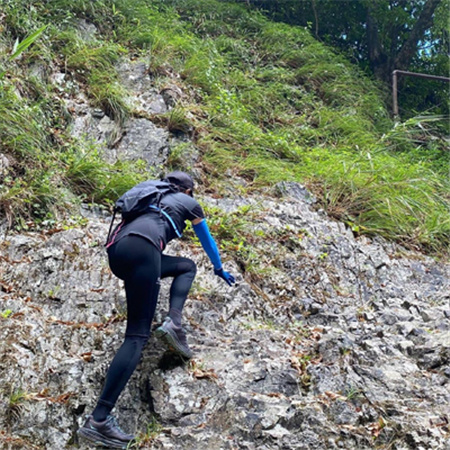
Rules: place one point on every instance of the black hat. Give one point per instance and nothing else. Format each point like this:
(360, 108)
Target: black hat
(181, 179)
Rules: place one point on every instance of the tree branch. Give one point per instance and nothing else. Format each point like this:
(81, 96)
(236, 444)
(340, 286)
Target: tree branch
(313, 4)
(376, 52)
(424, 22)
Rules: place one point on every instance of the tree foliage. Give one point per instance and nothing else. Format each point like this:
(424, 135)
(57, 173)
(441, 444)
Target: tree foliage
(380, 36)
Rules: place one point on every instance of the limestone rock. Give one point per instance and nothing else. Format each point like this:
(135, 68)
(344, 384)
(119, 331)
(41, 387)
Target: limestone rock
(319, 354)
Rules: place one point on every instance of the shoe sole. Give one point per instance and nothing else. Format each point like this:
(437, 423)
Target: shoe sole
(99, 439)
(171, 341)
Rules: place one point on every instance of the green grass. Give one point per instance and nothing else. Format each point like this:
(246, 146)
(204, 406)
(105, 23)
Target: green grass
(265, 101)
(145, 439)
(15, 406)
(47, 167)
(384, 194)
(93, 65)
(6, 313)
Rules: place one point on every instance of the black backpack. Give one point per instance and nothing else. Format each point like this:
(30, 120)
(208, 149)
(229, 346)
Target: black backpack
(139, 199)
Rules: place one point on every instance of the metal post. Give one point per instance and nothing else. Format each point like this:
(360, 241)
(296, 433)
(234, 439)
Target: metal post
(411, 74)
(394, 93)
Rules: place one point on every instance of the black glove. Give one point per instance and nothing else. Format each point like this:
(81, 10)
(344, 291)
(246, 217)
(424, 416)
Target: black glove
(225, 276)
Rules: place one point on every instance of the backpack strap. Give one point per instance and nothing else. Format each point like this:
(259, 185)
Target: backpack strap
(166, 215)
(110, 227)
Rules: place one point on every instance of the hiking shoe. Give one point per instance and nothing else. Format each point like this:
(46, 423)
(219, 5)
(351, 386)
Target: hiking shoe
(174, 337)
(106, 433)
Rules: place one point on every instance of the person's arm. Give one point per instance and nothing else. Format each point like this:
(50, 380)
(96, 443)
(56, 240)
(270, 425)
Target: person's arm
(209, 245)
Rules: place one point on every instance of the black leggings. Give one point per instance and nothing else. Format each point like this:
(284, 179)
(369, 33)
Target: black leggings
(141, 265)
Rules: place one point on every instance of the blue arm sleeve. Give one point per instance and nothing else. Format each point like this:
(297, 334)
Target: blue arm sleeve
(208, 243)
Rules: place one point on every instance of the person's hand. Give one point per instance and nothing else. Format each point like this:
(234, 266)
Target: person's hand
(225, 276)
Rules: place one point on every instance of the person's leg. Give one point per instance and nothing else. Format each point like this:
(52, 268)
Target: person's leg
(138, 263)
(183, 271)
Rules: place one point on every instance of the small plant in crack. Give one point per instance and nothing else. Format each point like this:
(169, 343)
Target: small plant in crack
(16, 406)
(145, 438)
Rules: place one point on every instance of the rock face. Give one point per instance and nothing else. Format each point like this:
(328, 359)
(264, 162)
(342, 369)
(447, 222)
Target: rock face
(340, 343)
(144, 140)
(135, 77)
(138, 138)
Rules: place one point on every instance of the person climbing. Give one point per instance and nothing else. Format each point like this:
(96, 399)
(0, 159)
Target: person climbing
(135, 256)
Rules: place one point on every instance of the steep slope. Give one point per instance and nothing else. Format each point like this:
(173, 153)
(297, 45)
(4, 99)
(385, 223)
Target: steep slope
(339, 343)
(328, 341)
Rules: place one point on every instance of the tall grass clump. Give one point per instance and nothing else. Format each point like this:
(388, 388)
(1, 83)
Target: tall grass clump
(43, 164)
(93, 65)
(96, 181)
(28, 184)
(384, 194)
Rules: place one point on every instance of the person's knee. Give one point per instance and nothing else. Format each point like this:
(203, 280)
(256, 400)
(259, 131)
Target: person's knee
(139, 341)
(188, 266)
(192, 267)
